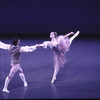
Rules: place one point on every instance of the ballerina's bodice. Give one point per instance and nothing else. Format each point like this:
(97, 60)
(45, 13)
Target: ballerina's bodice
(55, 45)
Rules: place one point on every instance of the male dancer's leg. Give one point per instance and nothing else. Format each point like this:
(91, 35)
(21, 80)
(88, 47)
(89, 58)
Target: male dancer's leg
(22, 76)
(9, 77)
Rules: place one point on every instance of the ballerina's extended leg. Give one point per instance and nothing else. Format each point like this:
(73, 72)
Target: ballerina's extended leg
(74, 36)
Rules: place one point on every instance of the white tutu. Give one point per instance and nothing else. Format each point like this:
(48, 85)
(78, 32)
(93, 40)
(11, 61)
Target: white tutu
(60, 50)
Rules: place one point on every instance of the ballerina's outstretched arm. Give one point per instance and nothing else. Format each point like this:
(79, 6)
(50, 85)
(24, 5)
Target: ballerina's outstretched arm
(45, 44)
(68, 34)
(72, 37)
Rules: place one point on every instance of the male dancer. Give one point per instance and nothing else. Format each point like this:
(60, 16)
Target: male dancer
(15, 51)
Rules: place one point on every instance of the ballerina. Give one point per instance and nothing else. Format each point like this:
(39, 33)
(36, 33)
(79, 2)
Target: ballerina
(60, 44)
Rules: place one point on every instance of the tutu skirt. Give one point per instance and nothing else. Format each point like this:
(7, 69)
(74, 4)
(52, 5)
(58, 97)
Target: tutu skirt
(60, 51)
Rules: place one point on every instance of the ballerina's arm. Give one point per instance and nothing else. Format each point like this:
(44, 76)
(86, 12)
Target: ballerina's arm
(45, 44)
(68, 34)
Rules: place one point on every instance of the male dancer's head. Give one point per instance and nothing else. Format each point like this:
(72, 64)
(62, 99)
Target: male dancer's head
(15, 41)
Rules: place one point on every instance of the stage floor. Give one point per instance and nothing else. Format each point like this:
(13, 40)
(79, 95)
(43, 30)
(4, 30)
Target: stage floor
(80, 77)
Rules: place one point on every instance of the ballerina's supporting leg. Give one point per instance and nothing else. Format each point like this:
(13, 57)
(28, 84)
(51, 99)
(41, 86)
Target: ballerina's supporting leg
(55, 74)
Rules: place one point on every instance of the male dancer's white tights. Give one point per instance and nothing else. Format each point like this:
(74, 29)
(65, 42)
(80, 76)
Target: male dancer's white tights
(13, 70)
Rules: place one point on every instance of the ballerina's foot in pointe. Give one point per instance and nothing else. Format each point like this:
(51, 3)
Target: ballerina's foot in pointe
(77, 33)
(52, 81)
(25, 84)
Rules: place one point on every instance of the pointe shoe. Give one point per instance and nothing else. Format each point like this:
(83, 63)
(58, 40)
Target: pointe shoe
(25, 84)
(52, 81)
(5, 90)
(77, 33)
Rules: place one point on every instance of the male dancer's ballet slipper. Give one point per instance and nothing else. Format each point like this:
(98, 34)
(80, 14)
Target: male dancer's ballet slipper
(5, 90)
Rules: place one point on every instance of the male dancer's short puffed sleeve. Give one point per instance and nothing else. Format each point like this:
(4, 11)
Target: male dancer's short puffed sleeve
(27, 48)
(4, 46)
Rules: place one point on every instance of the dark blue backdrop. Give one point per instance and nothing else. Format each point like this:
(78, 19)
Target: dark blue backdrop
(44, 16)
